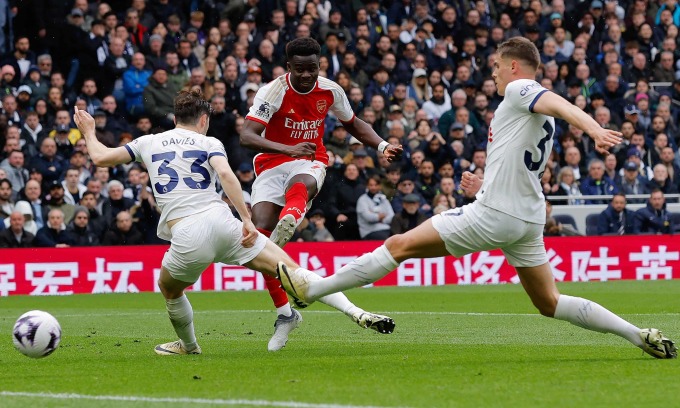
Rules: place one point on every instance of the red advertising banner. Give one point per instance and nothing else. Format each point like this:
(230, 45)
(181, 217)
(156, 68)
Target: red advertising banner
(65, 271)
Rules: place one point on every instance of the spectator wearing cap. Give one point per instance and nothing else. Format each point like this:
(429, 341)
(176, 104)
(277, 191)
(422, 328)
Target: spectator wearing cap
(317, 218)
(23, 100)
(409, 217)
(79, 231)
(364, 163)
(419, 88)
(6, 84)
(632, 182)
(159, 98)
(135, 79)
(338, 143)
(104, 135)
(374, 212)
(38, 85)
(253, 80)
(57, 200)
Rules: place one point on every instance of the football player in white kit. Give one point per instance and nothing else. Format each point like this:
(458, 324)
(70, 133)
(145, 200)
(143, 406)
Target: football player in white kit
(509, 212)
(183, 166)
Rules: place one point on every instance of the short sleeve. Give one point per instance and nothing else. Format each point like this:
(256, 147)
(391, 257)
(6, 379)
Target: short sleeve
(523, 94)
(341, 107)
(216, 148)
(136, 147)
(266, 103)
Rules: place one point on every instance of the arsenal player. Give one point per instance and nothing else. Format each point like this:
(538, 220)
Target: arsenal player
(286, 126)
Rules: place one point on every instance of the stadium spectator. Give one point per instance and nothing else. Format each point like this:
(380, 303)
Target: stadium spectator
(123, 232)
(53, 234)
(159, 97)
(616, 219)
(15, 171)
(32, 195)
(409, 217)
(79, 231)
(342, 204)
(16, 236)
(554, 228)
(73, 188)
(135, 79)
(662, 181)
(6, 201)
(321, 233)
(632, 183)
(374, 212)
(654, 218)
(97, 224)
(56, 200)
(596, 184)
(115, 202)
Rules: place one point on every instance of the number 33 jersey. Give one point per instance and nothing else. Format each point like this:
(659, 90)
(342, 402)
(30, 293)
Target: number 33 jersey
(182, 179)
(519, 144)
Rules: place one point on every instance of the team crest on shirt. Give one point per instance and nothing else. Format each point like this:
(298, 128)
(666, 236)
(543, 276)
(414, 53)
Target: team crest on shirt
(321, 106)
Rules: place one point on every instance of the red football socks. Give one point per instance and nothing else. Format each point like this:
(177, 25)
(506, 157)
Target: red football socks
(296, 202)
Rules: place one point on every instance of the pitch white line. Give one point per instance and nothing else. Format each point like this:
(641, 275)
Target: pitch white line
(204, 401)
(490, 314)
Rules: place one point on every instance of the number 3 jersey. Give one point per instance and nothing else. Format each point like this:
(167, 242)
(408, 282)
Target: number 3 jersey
(182, 180)
(292, 117)
(519, 143)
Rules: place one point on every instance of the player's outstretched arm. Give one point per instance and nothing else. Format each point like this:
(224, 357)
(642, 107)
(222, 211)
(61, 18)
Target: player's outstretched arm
(232, 188)
(251, 137)
(366, 135)
(554, 105)
(101, 155)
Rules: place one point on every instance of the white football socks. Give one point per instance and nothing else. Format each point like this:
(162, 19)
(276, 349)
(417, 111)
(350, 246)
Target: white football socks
(366, 269)
(590, 315)
(182, 319)
(284, 310)
(340, 302)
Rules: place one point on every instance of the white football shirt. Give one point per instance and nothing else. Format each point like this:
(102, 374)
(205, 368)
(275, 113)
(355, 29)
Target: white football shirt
(182, 179)
(520, 142)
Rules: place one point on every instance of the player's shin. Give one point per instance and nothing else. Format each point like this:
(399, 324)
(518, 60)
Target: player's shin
(277, 294)
(366, 269)
(590, 315)
(182, 319)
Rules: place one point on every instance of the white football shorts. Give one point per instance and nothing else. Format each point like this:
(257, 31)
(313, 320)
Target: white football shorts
(476, 227)
(270, 185)
(210, 236)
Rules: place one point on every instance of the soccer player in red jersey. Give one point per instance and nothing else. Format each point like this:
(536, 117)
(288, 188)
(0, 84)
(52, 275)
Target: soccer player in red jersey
(286, 126)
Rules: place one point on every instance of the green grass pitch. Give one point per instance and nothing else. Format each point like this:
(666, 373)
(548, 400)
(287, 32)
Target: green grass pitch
(456, 346)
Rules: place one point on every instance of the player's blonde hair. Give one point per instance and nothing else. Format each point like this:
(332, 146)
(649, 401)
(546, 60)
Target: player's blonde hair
(521, 49)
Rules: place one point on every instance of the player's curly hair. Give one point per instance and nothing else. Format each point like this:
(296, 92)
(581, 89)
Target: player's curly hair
(190, 105)
(522, 49)
(302, 47)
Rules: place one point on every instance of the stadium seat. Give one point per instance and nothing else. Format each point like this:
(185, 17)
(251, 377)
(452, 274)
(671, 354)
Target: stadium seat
(566, 219)
(591, 224)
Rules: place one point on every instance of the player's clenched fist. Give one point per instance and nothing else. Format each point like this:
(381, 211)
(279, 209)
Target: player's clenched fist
(471, 183)
(393, 153)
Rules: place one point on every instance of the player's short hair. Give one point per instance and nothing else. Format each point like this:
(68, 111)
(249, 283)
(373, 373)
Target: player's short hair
(302, 47)
(190, 105)
(522, 49)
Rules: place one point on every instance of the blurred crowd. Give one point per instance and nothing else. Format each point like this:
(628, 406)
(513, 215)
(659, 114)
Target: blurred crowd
(418, 71)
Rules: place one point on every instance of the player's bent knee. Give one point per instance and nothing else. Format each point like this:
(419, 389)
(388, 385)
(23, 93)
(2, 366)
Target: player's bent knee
(398, 247)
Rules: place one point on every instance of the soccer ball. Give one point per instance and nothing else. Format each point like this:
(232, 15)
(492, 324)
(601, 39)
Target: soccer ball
(36, 334)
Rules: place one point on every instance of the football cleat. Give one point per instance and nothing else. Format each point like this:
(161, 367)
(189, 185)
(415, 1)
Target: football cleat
(284, 230)
(656, 345)
(295, 283)
(282, 328)
(175, 348)
(379, 323)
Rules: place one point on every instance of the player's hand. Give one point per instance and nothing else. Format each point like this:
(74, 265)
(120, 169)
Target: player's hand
(304, 149)
(471, 183)
(605, 139)
(84, 121)
(249, 234)
(393, 153)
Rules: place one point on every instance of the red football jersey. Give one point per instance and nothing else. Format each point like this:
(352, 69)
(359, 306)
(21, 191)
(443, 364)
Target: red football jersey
(292, 117)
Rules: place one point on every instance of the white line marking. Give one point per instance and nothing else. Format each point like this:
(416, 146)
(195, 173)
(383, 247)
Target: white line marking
(483, 314)
(205, 401)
